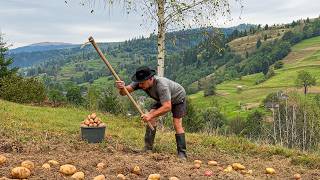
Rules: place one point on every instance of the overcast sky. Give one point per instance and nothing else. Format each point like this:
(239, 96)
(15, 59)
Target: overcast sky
(25, 22)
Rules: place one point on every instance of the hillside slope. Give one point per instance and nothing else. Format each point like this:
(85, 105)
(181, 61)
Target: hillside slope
(304, 56)
(42, 133)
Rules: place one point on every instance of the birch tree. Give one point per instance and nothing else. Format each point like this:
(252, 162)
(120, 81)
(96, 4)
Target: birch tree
(174, 14)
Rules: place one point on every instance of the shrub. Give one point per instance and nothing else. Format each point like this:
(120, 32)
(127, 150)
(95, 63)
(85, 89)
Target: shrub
(17, 89)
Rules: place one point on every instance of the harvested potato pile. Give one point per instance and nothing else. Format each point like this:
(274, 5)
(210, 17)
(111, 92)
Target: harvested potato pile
(92, 121)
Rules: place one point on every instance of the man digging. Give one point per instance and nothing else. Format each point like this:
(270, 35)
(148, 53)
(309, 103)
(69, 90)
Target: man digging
(170, 96)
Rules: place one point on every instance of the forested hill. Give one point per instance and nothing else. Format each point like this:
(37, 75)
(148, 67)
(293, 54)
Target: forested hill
(176, 41)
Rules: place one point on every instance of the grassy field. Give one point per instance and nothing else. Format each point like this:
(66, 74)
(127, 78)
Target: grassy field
(304, 56)
(27, 124)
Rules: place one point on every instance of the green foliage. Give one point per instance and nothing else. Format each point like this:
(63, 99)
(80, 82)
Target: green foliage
(304, 79)
(74, 96)
(210, 89)
(270, 73)
(192, 122)
(213, 118)
(109, 101)
(253, 125)
(20, 90)
(317, 99)
(56, 96)
(258, 44)
(278, 65)
(5, 62)
(92, 98)
(236, 125)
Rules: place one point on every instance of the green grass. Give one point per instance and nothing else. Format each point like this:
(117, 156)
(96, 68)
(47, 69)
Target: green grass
(312, 42)
(35, 124)
(230, 100)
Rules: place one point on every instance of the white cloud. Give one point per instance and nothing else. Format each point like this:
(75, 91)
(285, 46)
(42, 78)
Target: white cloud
(33, 21)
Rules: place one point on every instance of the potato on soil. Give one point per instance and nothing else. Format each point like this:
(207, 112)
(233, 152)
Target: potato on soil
(46, 166)
(3, 159)
(136, 170)
(68, 169)
(28, 164)
(238, 166)
(100, 177)
(297, 176)
(173, 178)
(270, 171)
(53, 162)
(101, 166)
(20, 172)
(197, 161)
(212, 163)
(78, 176)
(154, 177)
(121, 177)
(196, 165)
(228, 169)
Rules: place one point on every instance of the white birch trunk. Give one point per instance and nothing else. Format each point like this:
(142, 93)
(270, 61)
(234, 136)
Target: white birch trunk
(161, 37)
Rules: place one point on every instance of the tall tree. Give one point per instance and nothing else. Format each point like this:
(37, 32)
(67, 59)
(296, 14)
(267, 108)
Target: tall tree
(5, 61)
(305, 80)
(176, 15)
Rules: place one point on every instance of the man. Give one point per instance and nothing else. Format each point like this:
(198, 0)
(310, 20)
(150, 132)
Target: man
(170, 96)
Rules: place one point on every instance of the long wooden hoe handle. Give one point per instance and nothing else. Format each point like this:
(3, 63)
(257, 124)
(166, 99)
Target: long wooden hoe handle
(116, 76)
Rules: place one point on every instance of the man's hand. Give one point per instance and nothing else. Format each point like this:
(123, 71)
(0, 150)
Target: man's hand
(146, 117)
(120, 84)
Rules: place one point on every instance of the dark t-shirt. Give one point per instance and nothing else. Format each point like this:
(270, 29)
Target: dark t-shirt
(163, 90)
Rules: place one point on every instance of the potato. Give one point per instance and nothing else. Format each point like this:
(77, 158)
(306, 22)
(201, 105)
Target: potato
(173, 178)
(4, 178)
(238, 166)
(89, 117)
(100, 177)
(196, 165)
(53, 162)
(197, 161)
(228, 169)
(136, 170)
(102, 125)
(90, 125)
(20, 172)
(3, 159)
(68, 169)
(78, 176)
(28, 164)
(101, 166)
(95, 125)
(208, 173)
(87, 122)
(83, 125)
(297, 176)
(212, 163)
(154, 177)
(93, 115)
(46, 166)
(91, 121)
(270, 171)
(249, 172)
(121, 177)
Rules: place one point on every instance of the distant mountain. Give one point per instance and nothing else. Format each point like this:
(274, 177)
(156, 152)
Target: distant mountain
(43, 46)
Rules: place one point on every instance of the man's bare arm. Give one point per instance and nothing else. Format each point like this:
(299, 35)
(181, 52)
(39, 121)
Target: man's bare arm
(166, 107)
(121, 85)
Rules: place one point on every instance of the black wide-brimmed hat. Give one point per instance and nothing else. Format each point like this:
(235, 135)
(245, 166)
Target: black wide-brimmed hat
(143, 73)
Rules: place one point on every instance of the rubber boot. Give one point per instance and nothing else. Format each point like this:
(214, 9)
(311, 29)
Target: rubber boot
(149, 139)
(181, 146)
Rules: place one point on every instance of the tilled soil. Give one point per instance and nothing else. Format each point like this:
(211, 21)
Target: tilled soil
(121, 159)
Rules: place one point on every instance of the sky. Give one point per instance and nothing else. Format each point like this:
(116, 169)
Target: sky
(24, 22)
